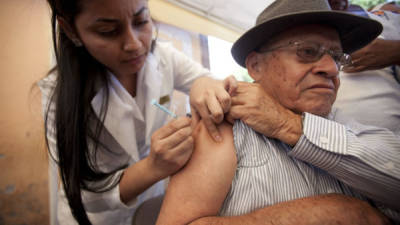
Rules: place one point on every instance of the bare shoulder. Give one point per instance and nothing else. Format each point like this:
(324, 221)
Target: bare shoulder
(199, 189)
(202, 137)
(211, 155)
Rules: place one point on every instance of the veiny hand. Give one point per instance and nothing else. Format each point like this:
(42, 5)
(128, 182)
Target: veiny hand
(257, 109)
(210, 99)
(377, 55)
(171, 147)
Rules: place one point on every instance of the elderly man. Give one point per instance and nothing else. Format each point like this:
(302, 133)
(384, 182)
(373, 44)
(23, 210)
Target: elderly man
(288, 146)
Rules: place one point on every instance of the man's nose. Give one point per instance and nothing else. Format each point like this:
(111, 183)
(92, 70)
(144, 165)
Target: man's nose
(326, 66)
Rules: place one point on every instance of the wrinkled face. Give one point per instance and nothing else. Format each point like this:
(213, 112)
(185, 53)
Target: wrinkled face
(116, 32)
(298, 85)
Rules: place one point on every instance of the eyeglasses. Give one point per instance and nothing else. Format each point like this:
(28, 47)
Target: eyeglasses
(310, 52)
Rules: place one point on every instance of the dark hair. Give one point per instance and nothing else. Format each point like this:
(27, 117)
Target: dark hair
(75, 123)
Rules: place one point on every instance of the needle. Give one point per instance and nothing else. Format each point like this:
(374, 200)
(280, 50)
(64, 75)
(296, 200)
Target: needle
(155, 103)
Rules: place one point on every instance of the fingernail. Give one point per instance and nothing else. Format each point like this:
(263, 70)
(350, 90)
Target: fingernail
(189, 115)
(218, 138)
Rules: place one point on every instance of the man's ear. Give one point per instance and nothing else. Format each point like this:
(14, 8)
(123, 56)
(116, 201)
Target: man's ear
(69, 31)
(253, 65)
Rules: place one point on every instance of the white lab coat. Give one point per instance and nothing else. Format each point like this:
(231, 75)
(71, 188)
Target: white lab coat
(165, 70)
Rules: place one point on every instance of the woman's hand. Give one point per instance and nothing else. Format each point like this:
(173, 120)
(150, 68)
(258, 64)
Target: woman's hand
(211, 99)
(171, 147)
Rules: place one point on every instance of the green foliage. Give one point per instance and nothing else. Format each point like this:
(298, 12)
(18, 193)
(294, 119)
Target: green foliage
(366, 4)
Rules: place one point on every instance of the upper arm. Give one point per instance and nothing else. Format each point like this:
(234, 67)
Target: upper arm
(199, 189)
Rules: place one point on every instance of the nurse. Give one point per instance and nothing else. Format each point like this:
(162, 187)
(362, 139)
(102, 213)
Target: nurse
(111, 145)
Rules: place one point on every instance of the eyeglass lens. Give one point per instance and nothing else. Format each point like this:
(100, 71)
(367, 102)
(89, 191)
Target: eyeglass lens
(311, 52)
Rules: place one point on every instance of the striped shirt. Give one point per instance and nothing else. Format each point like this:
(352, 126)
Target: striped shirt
(329, 158)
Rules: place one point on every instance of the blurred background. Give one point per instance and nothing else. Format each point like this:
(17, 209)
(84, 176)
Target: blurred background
(202, 29)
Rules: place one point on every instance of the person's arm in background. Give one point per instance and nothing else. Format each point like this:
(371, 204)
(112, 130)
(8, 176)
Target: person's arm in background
(383, 51)
(377, 55)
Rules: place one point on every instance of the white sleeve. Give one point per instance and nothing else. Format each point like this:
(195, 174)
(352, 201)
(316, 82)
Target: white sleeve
(47, 86)
(390, 22)
(364, 157)
(184, 69)
(93, 202)
(108, 200)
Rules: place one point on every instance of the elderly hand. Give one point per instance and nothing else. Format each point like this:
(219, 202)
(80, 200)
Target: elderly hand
(377, 55)
(210, 99)
(257, 109)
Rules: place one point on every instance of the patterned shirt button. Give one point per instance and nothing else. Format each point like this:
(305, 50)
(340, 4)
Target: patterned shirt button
(389, 165)
(324, 140)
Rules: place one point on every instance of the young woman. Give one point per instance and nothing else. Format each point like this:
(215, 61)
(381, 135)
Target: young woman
(111, 145)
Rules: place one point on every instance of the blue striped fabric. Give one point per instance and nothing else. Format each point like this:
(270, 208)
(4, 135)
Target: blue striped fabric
(270, 171)
(364, 157)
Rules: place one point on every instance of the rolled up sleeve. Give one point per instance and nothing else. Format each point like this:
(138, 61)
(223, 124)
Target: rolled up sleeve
(109, 200)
